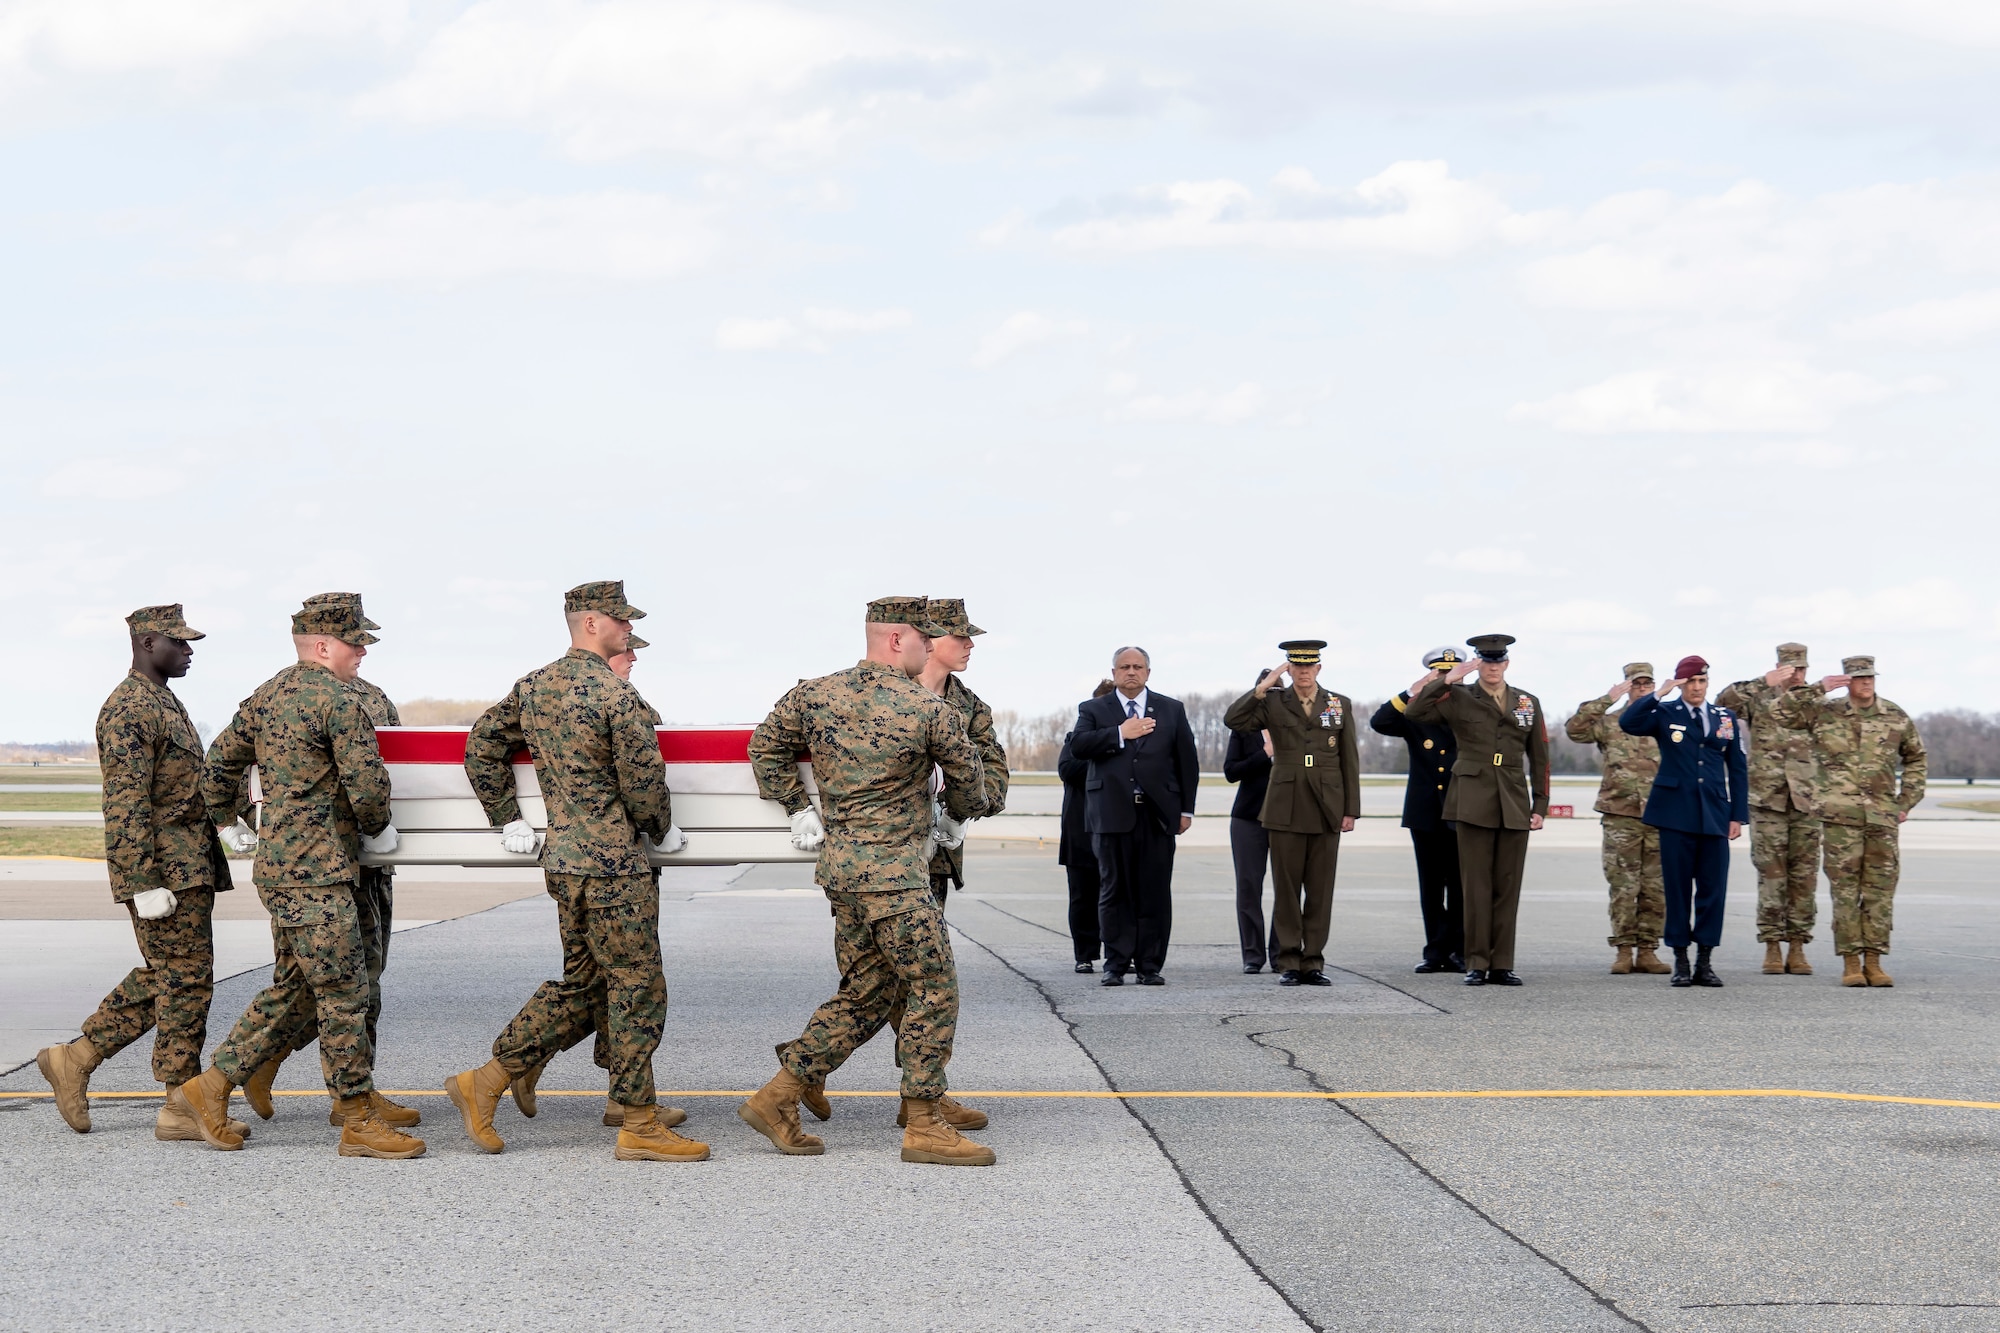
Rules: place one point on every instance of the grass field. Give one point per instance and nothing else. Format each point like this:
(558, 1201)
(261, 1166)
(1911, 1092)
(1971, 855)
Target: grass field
(65, 774)
(1983, 807)
(84, 842)
(50, 800)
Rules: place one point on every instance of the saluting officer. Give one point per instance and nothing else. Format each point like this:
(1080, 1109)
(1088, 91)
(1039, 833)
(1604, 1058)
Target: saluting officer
(1495, 799)
(1433, 750)
(1314, 797)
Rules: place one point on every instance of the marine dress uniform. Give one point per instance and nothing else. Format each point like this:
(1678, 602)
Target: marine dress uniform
(1440, 888)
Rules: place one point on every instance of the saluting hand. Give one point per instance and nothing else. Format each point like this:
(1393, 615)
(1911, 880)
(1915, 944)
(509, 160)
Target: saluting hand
(1832, 683)
(1618, 691)
(1667, 689)
(1417, 685)
(1273, 679)
(1784, 677)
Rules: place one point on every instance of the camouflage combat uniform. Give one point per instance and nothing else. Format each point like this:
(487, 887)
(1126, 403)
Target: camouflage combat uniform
(157, 835)
(874, 736)
(324, 787)
(948, 863)
(597, 758)
(1859, 750)
(1631, 847)
(1785, 834)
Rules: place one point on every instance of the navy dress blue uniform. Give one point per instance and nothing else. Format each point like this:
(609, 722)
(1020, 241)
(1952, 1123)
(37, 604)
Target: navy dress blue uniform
(1440, 890)
(1702, 786)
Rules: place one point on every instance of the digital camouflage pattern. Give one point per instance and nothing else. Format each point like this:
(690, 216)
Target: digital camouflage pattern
(374, 920)
(949, 862)
(1859, 751)
(874, 735)
(612, 983)
(891, 946)
(321, 959)
(323, 785)
(596, 755)
(156, 828)
(1632, 870)
(1630, 762)
(1785, 846)
(1783, 772)
(1863, 863)
(169, 991)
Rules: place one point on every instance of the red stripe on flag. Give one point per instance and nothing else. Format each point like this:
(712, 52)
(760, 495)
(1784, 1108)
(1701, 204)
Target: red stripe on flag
(446, 745)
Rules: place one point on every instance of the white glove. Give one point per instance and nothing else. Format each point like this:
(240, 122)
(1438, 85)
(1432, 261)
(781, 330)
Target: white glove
(520, 838)
(949, 832)
(807, 832)
(154, 904)
(671, 841)
(383, 842)
(239, 838)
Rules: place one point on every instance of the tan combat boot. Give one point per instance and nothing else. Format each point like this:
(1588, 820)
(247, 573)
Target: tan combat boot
(1645, 960)
(1871, 970)
(956, 1114)
(813, 1097)
(1850, 973)
(476, 1093)
(773, 1111)
(68, 1069)
(175, 1124)
(614, 1114)
(388, 1112)
(257, 1092)
(1774, 959)
(1795, 959)
(928, 1138)
(205, 1102)
(363, 1133)
(1622, 965)
(644, 1137)
(523, 1088)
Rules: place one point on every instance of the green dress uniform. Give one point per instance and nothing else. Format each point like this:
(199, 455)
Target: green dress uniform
(1315, 783)
(1785, 834)
(1500, 779)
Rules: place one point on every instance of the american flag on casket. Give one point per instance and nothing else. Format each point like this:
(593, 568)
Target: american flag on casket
(708, 771)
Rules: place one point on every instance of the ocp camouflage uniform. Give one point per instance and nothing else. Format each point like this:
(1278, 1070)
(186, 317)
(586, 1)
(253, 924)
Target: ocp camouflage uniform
(597, 758)
(324, 786)
(1631, 847)
(157, 835)
(948, 863)
(1860, 800)
(1785, 834)
(874, 736)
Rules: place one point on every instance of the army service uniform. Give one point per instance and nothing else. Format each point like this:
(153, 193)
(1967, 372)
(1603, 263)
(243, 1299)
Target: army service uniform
(1785, 834)
(1631, 847)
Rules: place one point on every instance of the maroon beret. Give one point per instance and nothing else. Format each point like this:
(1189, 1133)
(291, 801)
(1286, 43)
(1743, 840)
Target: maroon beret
(1694, 664)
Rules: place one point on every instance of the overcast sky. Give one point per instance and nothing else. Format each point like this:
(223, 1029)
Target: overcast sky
(1631, 329)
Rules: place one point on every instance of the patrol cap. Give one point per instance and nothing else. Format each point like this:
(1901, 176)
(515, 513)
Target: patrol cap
(606, 597)
(1302, 652)
(948, 615)
(633, 643)
(165, 619)
(1791, 655)
(911, 611)
(1694, 664)
(1857, 666)
(336, 620)
(1445, 656)
(1634, 670)
(1490, 647)
(352, 599)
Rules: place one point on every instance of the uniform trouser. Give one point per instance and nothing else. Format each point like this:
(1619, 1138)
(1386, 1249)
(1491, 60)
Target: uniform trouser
(886, 944)
(1862, 867)
(325, 963)
(1302, 871)
(1694, 869)
(1440, 892)
(1250, 848)
(1491, 859)
(1632, 870)
(1084, 886)
(170, 990)
(1785, 845)
(612, 983)
(940, 885)
(1135, 903)
(374, 916)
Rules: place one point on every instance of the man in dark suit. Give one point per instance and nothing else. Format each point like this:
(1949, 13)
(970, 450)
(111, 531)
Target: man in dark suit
(1700, 802)
(1074, 853)
(1247, 763)
(1138, 797)
(1440, 891)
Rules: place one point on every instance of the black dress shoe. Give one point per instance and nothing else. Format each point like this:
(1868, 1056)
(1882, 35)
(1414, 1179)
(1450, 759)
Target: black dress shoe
(1252, 969)
(1314, 978)
(1475, 978)
(1704, 975)
(1682, 976)
(1289, 977)
(1500, 976)
(1458, 962)
(1086, 967)
(1151, 979)
(1111, 979)
(1427, 966)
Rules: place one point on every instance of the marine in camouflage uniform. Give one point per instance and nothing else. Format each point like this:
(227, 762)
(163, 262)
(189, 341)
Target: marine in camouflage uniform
(875, 736)
(1860, 746)
(1785, 834)
(947, 615)
(156, 838)
(1631, 846)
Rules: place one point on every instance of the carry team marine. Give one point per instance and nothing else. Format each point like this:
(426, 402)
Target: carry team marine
(166, 865)
(1631, 846)
(326, 796)
(874, 735)
(1860, 743)
(597, 758)
(1314, 796)
(1499, 793)
(1785, 834)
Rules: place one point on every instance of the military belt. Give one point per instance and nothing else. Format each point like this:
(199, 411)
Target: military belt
(1309, 761)
(1499, 759)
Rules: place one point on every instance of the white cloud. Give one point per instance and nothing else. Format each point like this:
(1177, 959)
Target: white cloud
(1453, 601)
(114, 479)
(756, 335)
(1696, 597)
(1939, 20)
(1806, 453)
(1003, 230)
(1021, 331)
(828, 320)
(1945, 320)
(763, 335)
(1774, 396)
(43, 39)
(1484, 560)
(1226, 408)
(1927, 604)
(615, 234)
(1585, 617)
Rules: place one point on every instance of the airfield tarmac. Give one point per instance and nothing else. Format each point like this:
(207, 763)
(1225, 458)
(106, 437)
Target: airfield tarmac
(1274, 1206)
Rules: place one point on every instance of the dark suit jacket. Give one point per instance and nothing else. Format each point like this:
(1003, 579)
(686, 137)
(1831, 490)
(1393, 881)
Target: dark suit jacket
(1316, 767)
(1162, 765)
(1432, 753)
(1704, 781)
(1075, 840)
(1501, 775)
(1246, 765)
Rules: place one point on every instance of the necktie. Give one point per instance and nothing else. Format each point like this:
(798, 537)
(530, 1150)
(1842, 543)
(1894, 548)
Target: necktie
(1131, 708)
